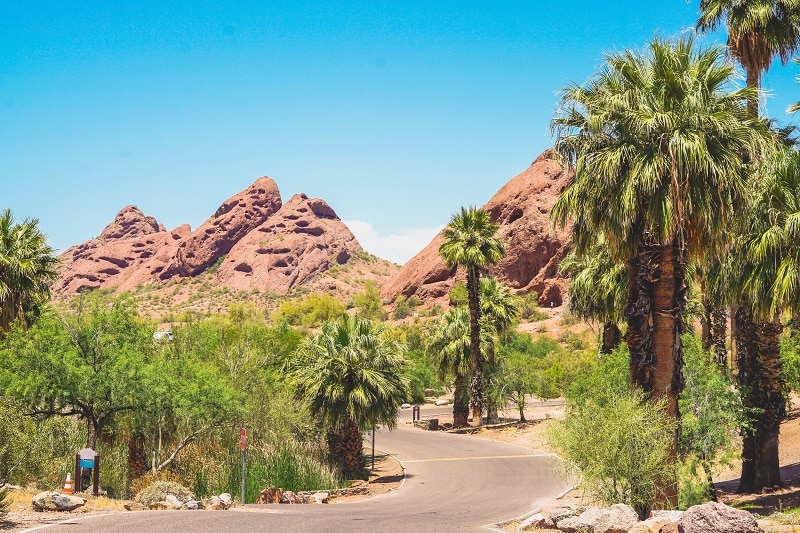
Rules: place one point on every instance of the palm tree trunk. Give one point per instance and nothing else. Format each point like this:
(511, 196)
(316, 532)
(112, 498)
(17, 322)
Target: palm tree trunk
(491, 400)
(753, 81)
(461, 401)
(761, 384)
(745, 364)
(719, 331)
(654, 313)
(346, 448)
(612, 336)
(476, 384)
(137, 458)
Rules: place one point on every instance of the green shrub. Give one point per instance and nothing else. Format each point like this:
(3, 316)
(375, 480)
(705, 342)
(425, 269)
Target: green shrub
(711, 416)
(289, 466)
(4, 503)
(458, 294)
(621, 446)
(160, 489)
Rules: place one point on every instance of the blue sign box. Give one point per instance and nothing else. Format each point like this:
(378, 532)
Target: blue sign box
(87, 463)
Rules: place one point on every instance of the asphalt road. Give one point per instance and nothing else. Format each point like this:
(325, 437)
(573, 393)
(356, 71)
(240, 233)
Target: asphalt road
(453, 483)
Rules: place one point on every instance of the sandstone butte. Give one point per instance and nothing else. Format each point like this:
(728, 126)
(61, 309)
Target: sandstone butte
(533, 250)
(260, 243)
(265, 244)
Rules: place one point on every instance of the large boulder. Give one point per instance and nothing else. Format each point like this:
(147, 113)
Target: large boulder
(533, 250)
(618, 518)
(715, 517)
(56, 501)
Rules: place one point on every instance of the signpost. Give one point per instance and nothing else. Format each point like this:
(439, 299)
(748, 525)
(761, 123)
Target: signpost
(87, 459)
(243, 446)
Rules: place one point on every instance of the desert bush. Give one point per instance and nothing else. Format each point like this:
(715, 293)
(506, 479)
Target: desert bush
(151, 478)
(160, 490)
(621, 444)
(711, 416)
(458, 294)
(312, 311)
(4, 503)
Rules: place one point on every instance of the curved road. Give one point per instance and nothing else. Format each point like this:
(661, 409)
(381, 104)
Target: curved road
(453, 483)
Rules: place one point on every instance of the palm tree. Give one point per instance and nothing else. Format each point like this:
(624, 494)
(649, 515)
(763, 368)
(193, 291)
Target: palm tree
(597, 291)
(656, 140)
(767, 257)
(470, 242)
(758, 30)
(27, 267)
(351, 374)
(449, 345)
(499, 313)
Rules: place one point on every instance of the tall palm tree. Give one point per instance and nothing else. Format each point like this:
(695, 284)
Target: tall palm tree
(767, 257)
(449, 345)
(470, 242)
(598, 289)
(499, 314)
(351, 374)
(758, 30)
(656, 139)
(27, 267)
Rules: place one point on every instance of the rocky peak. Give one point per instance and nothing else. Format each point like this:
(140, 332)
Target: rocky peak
(533, 251)
(130, 222)
(305, 237)
(235, 218)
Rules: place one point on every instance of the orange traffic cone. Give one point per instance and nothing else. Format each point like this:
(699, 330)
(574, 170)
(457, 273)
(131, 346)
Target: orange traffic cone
(68, 485)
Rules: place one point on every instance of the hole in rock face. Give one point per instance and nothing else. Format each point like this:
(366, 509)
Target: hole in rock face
(516, 214)
(243, 267)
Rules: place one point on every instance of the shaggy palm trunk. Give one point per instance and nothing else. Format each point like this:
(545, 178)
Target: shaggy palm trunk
(137, 458)
(753, 81)
(346, 448)
(491, 401)
(761, 383)
(719, 331)
(476, 384)
(461, 401)
(654, 313)
(612, 337)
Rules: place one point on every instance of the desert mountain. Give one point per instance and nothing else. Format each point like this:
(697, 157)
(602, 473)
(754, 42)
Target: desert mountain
(533, 251)
(254, 243)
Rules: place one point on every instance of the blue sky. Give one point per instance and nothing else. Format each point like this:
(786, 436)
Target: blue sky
(396, 113)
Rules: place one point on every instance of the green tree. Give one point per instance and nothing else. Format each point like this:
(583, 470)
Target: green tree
(352, 376)
(449, 344)
(656, 140)
(89, 363)
(758, 30)
(598, 289)
(711, 415)
(766, 259)
(499, 313)
(368, 302)
(470, 242)
(27, 268)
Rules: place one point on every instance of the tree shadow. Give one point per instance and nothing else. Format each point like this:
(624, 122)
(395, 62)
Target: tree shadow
(782, 499)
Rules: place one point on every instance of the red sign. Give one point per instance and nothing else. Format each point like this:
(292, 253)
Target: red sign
(243, 439)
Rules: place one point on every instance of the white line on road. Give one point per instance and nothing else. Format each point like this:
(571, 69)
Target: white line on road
(474, 458)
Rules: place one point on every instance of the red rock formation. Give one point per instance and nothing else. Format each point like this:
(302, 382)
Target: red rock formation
(234, 219)
(533, 251)
(122, 248)
(304, 238)
(130, 222)
(268, 247)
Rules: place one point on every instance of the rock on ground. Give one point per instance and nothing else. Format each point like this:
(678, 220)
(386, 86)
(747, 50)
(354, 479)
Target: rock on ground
(618, 518)
(55, 501)
(715, 517)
